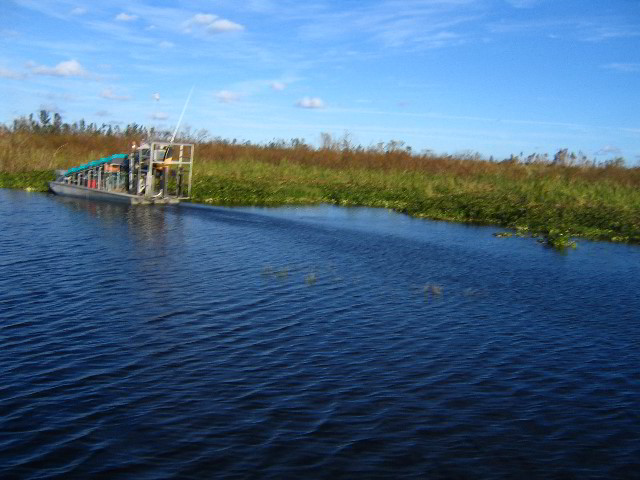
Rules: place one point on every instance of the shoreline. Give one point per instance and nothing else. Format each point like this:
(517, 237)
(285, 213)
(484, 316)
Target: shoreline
(444, 198)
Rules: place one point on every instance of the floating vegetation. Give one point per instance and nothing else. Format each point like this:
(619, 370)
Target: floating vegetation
(471, 292)
(551, 238)
(269, 271)
(558, 240)
(432, 289)
(283, 273)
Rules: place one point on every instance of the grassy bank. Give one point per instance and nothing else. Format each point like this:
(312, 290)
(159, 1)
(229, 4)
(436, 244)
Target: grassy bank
(554, 206)
(553, 201)
(32, 181)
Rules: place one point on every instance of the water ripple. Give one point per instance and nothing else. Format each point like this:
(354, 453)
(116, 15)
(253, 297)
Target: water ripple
(324, 343)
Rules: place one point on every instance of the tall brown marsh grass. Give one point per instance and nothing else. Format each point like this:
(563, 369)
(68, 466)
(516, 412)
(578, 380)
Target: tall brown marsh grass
(557, 198)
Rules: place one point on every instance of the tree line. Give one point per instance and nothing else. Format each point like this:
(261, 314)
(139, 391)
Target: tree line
(51, 122)
(46, 122)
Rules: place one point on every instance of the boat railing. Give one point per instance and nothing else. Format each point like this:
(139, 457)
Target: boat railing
(158, 169)
(163, 169)
(104, 174)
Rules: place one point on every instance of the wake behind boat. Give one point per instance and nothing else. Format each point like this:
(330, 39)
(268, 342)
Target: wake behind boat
(155, 173)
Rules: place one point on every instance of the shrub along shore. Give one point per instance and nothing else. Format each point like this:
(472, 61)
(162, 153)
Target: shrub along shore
(554, 200)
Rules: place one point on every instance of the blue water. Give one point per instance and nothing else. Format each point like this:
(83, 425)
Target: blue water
(318, 342)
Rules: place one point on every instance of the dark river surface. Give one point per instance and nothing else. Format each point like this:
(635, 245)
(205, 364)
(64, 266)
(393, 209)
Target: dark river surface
(316, 342)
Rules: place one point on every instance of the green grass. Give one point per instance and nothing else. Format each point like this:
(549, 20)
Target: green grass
(554, 207)
(36, 181)
(553, 202)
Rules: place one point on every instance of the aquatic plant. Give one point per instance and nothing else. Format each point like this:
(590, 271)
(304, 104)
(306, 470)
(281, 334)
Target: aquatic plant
(282, 273)
(432, 289)
(536, 198)
(557, 239)
(34, 181)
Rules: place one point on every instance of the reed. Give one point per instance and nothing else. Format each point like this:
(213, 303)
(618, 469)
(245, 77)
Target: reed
(555, 201)
(554, 206)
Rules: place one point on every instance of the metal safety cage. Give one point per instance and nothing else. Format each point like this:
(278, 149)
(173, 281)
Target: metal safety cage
(161, 170)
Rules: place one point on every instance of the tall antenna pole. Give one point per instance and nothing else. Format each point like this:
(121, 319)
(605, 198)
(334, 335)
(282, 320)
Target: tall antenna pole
(175, 132)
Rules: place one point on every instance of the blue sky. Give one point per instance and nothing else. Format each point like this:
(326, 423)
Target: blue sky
(492, 76)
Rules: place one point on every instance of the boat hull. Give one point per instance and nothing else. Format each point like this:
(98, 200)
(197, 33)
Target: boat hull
(77, 191)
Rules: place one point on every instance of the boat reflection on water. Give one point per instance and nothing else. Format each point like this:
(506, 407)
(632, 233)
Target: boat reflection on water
(150, 227)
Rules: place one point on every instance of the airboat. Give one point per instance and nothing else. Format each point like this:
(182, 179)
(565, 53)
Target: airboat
(152, 173)
(155, 172)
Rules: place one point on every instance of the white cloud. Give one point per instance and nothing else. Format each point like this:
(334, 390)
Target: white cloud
(279, 86)
(416, 24)
(109, 94)
(6, 73)
(534, 25)
(159, 116)
(103, 113)
(69, 68)
(166, 44)
(227, 96)
(211, 24)
(5, 32)
(60, 96)
(203, 18)
(125, 17)
(602, 33)
(156, 97)
(78, 11)
(222, 25)
(311, 102)
(623, 67)
(609, 150)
